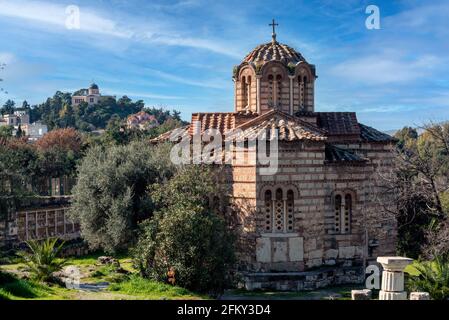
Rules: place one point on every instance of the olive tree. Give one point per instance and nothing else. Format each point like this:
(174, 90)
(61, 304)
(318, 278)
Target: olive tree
(111, 198)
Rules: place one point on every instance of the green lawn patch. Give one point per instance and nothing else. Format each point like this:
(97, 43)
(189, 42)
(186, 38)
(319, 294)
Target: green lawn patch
(12, 287)
(149, 289)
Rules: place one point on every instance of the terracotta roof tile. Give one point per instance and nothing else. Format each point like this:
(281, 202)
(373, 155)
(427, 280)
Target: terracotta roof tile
(274, 51)
(288, 128)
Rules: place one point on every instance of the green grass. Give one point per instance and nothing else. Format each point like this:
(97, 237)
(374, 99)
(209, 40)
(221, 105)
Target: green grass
(89, 259)
(148, 289)
(13, 288)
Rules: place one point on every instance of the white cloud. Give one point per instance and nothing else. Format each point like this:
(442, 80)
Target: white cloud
(94, 23)
(6, 57)
(148, 95)
(210, 83)
(386, 68)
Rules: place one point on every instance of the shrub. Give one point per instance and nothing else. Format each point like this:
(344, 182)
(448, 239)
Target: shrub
(42, 260)
(187, 236)
(433, 278)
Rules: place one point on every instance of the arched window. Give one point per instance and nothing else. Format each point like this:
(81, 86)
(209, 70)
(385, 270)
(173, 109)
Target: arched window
(337, 213)
(248, 92)
(277, 100)
(302, 83)
(268, 210)
(271, 90)
(347, 214)
(343, 213)
(279, 211)
(290, 207)
(244, 92)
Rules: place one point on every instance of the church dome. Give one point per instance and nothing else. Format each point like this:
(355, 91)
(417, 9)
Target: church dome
(273, 51)
(93, 86)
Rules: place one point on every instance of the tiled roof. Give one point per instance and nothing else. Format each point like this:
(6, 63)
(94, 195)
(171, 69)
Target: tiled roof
(339, 123)
(373, 135)
(334, 154)
(223, 121)
(288, 127)
(331, 126)
(274, 51)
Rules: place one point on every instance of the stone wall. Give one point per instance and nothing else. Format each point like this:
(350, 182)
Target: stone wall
(313, 241)
(299, 281)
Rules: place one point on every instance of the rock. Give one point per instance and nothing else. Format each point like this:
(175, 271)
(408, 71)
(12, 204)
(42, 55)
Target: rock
(346, 252)
(108, 261)
(331, 254)
(419, 296)
(364, 294)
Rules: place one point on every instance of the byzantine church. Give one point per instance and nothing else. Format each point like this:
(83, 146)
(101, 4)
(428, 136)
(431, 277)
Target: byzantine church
(316, 221)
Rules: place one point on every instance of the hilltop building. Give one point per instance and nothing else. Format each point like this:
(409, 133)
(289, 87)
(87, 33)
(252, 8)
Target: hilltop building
(91, 96)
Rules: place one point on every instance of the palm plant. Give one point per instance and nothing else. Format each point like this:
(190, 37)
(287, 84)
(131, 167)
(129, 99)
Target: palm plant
(433, 278)
(42, 259)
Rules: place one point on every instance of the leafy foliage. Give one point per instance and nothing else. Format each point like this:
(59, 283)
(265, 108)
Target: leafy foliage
(8, 107)
(6, 132)
(187, 235)
(110, 197)
(64, 139)
(42, 260)
(433, 278)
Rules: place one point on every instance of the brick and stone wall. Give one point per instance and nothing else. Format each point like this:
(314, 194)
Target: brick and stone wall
(313, 240)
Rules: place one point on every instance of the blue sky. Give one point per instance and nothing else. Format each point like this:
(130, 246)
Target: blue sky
(180, 54)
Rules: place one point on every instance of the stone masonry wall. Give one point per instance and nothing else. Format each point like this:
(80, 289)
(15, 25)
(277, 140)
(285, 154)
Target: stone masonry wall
(313, 241)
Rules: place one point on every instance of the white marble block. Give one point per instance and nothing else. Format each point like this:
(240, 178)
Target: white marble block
(419, 296)
(393, 277)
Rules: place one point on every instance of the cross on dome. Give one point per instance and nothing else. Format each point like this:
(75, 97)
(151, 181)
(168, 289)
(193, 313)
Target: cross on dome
(274, 24)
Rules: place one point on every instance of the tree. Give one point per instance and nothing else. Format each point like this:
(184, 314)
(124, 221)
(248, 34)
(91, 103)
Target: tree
(115, 132)
(6, 131)
(110, 197)
(18, 161)
(19, 132)
(188, 236)
(418, 184)
(63, 139)
(8, 107)
(25, 105)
